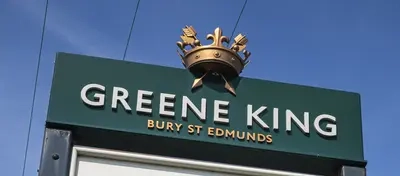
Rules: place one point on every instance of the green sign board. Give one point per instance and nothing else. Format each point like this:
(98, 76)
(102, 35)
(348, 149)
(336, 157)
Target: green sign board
(155, 100)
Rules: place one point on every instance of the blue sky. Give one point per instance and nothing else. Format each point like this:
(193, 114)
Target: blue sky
(346, 45)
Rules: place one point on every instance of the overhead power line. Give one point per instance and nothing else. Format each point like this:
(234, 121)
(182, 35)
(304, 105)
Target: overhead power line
(237, 21)
(130, 31)
(34, 89)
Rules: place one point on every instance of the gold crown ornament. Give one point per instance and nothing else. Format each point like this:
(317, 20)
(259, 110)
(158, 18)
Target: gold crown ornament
(215, 59)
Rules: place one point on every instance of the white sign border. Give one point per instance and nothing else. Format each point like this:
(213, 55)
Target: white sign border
(172, 162)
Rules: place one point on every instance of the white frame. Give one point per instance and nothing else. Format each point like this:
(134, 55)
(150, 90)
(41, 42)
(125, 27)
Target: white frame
(173, 162)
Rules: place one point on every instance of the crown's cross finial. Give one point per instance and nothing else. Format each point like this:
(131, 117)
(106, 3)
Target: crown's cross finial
(214, 58)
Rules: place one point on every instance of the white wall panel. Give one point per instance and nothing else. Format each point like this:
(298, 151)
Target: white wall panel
(88, 161)
(90, 166)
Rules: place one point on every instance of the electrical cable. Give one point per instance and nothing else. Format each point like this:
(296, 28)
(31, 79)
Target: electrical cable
(237, 22)
(130, 31)
(35, 86)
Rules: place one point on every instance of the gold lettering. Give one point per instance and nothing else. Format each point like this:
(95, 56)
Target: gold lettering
(219, 132)
(240, 137)
(269, 139)
(230, 133)
(170, 126)
(190, 129)
(150, 124)
(210, 131)
(251, 136)
(160, 125)
(260, 138)
(198, 128)
(178, 126)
